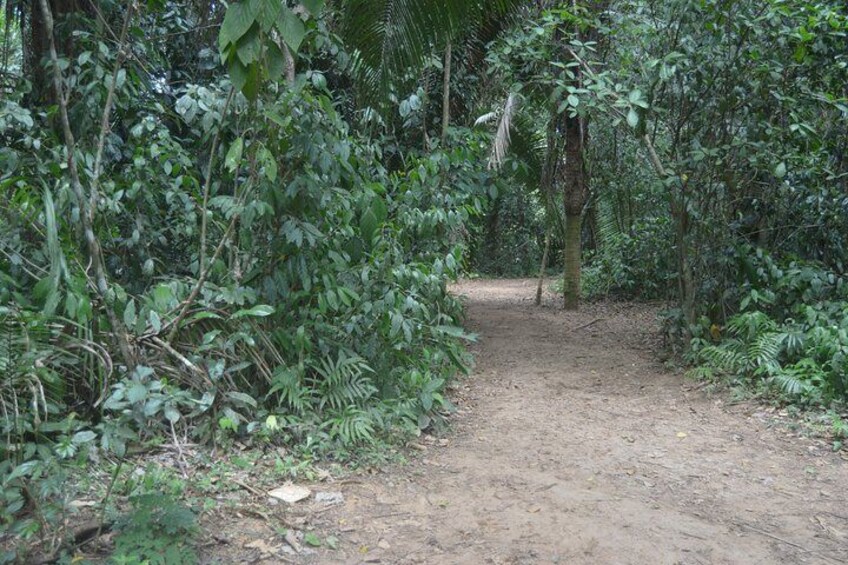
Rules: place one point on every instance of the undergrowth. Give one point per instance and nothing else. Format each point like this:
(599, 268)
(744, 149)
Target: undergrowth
(789, 341)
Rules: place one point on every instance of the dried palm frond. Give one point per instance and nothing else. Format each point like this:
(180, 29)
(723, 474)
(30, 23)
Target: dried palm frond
(500, 145)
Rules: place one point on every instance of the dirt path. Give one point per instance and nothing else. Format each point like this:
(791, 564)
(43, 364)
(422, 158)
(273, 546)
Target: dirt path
(575, 446)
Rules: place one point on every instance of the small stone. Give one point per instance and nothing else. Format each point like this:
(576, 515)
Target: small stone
(329, 498)
(290, 493)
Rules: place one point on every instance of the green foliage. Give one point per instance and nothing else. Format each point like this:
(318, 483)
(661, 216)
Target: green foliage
(157, 530)
(276, 252)
(280, 275)
(249, 40)
(792, 333)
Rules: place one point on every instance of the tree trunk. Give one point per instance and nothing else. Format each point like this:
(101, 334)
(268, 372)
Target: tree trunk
(571, 278)
(575, 186)
(36, 49)
(686, 276)
(446, 95)
(87, 218)
(543, 267)
(290, 65)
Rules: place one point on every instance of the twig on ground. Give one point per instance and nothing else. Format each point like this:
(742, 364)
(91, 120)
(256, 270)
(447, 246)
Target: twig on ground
(819, 552)
(180, 456)
(247, 487)
(584, 326)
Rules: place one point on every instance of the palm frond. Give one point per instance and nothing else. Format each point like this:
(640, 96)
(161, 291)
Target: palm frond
(500, 145)
(485, 118)
(390, 39)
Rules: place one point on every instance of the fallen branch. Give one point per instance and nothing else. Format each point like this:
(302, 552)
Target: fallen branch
(247, 487)
(818, 552)
(584, 326)
(181, 358)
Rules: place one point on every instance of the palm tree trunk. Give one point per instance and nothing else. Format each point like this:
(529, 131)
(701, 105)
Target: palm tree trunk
(575, 183)
(571, 278)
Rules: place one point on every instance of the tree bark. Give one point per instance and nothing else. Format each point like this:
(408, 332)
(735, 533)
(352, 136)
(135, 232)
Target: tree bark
(571, 279)
(290, 66)
(36, 50)
(543, 267)
(446, 95)
(95, 253)
(575, 185)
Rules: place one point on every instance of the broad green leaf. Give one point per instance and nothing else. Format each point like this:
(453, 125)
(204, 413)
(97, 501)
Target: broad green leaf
(163, 297)
(312, 539)
(83, 437)
(239, 18)
(635, 96)
(234, 155)
(260, 310)
(314, 6)
(291, 28)
(252, 82)
(129, 314)
(239, 74)
(455, 331)
(632, 118)
(780, 170)
(172, 414)
(249, 47)
(203, 316)
(142, 372)
(155, 321)
(242, 398)
(372, 218)
(137, 393)
(271, 422)
(275, 64)
(267, 13)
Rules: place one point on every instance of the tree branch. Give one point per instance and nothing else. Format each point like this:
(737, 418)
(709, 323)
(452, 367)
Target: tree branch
(207, 183)
(86, 213)
(200, 282)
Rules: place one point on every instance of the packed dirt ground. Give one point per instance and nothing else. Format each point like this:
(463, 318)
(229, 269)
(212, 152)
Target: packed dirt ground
(572, 444)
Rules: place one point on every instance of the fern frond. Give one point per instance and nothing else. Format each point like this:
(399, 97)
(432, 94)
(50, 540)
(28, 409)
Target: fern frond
(351, 426)
(764, 351)
(290, 390)
(726, 357)
(790, 384)
(701, 373)
(343, 382)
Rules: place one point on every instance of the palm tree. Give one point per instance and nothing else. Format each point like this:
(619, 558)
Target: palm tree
(392, 39)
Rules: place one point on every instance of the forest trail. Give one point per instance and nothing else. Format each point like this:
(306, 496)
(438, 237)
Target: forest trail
(569, 448)
(573, 445)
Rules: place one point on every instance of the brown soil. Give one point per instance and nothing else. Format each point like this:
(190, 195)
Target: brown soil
(573, 445)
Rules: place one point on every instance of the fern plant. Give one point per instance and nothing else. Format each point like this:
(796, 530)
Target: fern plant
(802, 361)
(342, 383)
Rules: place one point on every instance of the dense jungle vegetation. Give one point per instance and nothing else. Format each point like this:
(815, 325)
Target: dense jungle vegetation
(236, 221)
